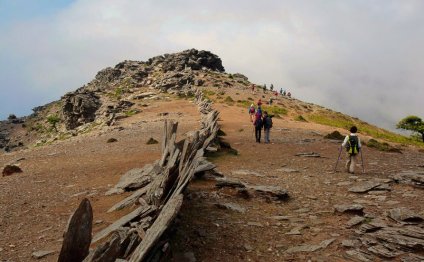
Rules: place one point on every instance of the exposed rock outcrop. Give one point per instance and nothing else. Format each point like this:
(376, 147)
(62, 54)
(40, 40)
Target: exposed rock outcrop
(80, 108)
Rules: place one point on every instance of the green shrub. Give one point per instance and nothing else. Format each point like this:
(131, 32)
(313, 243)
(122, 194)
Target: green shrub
(300, 118)
(382, 146)
(275, 111)
(152, 141)
(53, 120)
(335, 135)
(229, 99)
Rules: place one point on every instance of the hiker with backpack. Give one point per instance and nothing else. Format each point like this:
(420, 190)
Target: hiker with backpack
(252, 112)
(352, 143)
(258, 123)
(267, 123)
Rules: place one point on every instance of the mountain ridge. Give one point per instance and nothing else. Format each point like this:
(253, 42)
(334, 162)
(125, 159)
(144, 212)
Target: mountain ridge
(114, 92)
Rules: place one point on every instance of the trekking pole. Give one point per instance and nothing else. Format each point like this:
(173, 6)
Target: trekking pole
(338, 158)
(362, 161)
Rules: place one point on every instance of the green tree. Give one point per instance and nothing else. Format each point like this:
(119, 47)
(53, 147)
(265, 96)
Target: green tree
(53, 120)
(412, 123)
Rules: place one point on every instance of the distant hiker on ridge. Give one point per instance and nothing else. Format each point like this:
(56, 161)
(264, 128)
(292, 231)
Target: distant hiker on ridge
(267, 123)
(252, 112)
(259, 102)
(352, 143)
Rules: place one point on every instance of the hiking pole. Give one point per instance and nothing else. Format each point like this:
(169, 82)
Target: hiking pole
(338, 158)
(362, 161)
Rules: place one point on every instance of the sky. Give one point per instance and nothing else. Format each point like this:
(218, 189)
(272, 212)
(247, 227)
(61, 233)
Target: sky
(364, 58)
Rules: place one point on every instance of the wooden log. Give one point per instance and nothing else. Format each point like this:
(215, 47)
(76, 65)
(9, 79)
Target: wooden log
(77, 239)
(139, 212)
(132, 199)
(166, 216)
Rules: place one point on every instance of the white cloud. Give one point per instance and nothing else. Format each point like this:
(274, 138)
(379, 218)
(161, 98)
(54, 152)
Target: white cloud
(359, 57)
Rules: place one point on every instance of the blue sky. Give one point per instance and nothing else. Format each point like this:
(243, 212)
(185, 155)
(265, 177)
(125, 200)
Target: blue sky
(17, 10)
(360, 57)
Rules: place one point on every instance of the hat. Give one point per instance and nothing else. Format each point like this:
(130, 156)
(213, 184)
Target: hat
(252, 105)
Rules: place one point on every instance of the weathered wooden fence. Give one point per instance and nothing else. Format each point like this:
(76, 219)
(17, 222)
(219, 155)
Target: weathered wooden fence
(158, 192)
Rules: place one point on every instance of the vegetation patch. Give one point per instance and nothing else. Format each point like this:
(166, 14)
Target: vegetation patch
(275, 111)
(130, 112)
(382, 146)
(300, 118)
(152, 141)
(334, 135)
(53, 120)
(112, 140)
(336, 119)
(229, 99)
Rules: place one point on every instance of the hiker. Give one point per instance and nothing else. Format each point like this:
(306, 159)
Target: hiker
(252, 112)
(270, 101)
(259, 111)
(288, 94)
(284, 93)
(253, 89)
(281, 91)
(259, 102)
(267, 123)
(258, 123)
(352, 143)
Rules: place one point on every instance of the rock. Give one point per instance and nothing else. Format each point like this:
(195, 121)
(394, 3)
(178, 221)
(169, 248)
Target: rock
(231, 206)
(189, 257)
(335, 135)
(415, 178)
(355, 208)
(111, 140)
(371, 227)
(405, 215)
(243, 172)
(295, 230)
(203, 166)
(345, 183)
(280, 218)
(310, 248)
(364, 187)
(272, 191)
(256, 224)
(40, 254)
(351, 243)
(77, 239)
(247, 247)
(135, 178)
(11, 169)
(308, 154)
(79, 108)
(287, 170)
(359, 255)
(355, 221)
(230, 183)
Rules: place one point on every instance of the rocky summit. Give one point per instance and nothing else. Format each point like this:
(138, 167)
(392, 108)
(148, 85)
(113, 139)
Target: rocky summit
(157, 161)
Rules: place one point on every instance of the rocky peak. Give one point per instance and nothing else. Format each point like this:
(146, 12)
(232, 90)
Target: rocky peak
(191, 58)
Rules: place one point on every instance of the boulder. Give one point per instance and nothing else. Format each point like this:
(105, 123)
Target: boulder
(11, 169)
(79, 108)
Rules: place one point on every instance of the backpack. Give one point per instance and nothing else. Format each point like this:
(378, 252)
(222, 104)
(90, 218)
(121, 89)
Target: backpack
(352, 145)
(268, 122)
(252, 110)
(258, 122)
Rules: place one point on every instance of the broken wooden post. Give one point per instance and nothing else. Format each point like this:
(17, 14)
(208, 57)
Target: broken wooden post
(77, 239)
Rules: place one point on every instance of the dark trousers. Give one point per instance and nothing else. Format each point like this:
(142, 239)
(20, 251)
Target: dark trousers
(258, 134)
